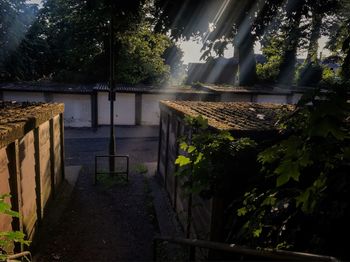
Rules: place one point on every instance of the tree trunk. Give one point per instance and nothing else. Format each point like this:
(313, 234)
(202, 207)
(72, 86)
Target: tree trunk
(287, 66)
(312, 50)
(244, 49)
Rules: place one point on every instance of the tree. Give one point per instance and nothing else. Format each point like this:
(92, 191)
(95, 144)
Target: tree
(340, 37)
(73, 36)
(140, 57)
(15, 18)
(237, 22)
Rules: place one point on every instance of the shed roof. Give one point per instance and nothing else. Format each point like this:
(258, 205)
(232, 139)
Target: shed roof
(17, 119)
(232, 116)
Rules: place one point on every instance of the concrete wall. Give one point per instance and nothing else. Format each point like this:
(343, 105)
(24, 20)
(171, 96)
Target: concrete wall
(133, 108)
(31, 171)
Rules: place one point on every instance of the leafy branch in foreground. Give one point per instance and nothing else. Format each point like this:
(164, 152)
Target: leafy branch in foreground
(302, 201)
(7, 238)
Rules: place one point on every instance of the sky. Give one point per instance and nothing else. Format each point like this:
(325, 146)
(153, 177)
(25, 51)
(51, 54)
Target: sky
(192, 49)
(39, 2)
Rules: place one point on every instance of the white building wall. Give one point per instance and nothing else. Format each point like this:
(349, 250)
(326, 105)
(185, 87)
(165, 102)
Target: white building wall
(124, 109)
(277, 99)
(23, 96)
(77, 109)
(150, 108)
(235, 97)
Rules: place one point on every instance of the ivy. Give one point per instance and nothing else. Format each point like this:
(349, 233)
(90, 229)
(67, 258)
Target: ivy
(206, 157)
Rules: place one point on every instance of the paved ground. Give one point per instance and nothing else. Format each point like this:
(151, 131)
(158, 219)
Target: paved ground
(113, 221)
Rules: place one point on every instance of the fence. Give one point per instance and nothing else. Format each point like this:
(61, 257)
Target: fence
(31, 161)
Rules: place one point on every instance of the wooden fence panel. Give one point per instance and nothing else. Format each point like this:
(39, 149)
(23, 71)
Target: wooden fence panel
(28, 184)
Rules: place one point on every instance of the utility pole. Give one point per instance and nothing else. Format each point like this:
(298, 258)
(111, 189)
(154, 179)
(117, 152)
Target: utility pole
(112, 146)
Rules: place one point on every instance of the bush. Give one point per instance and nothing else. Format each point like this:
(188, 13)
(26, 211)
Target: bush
(309, 74)
(267, 73)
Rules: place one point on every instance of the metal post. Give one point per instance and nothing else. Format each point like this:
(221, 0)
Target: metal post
(112, 147)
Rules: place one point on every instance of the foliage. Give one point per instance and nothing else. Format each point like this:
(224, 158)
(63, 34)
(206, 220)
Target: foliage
(268, 72)
(239, 22)
(140, 57)
(328, 76)
(339, 37)
(173, 58)
(141, 169)
(68, 42)
(301, 202)
(309, 74)
(15, 18)
(109, 181)
(9, 237)
(207, 158)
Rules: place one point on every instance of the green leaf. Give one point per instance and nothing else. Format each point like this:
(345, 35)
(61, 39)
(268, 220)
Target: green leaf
(183, 146)
(199, 158)
(242, 211)
(182, 161)
(302, 200)
(190, 149)
(269, 201)
(257, 232)
(285, 171)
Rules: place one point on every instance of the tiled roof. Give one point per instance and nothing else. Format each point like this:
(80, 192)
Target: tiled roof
(17, 119)
(231, 116)
(46, 87)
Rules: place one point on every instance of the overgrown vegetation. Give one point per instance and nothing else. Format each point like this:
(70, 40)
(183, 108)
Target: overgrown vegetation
(8, 238)
(206, 159)
(301, 201)
(299, 198)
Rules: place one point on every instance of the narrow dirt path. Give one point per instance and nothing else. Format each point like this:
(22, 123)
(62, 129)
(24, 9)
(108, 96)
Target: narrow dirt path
(103, 222)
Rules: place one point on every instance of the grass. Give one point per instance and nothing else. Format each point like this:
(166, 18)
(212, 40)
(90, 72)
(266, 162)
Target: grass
(110, 181)
(140, 168)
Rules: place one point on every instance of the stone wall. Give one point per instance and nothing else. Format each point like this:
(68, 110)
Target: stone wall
(31, 161)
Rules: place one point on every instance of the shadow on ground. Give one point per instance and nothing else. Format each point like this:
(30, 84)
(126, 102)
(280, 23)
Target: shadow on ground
(104, 222)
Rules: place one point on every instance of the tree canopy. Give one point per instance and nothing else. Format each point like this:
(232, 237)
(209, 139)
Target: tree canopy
(300, 23)
(69, 41)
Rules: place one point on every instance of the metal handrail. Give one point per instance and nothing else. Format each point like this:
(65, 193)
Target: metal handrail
(271, 254)
(113, 172)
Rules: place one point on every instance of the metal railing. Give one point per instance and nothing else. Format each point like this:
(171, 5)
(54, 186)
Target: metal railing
(109, 172)
(263, 254)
